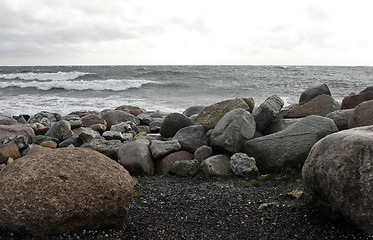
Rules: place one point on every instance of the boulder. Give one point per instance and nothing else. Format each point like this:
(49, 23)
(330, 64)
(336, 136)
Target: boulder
(192, 110)
(289, 148)
(163, 166)
(362, 115)
(45, 118)
(338, 176)
(121, 127)
(157, 114)
(82, 114)
(341, 117)
(49, 144)
(63, 190)
(87, 134)
(145, 119)
(191, 138)
(58, 130)
(217, 166)
(9, 150)
(320, 105)
(279, 124)
(107, 147)
(185, 168)
(244, 166)
(131, 109)
(74, 120)
(101, 128)
(160, 149)
(92, 119)
(113, 117)
(73, 140)
(211, 115)
(7, 131)
(172, 123)
(112, 135)
(136, 158)
(155, 125)
(353, 99)
(267, 111)
(7, 120)
(312, 92)
(203, 152)
(233, 130)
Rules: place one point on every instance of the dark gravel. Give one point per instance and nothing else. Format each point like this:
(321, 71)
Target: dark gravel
(169, 207)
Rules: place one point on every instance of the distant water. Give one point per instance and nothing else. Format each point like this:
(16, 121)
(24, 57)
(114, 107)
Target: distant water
(63, 89)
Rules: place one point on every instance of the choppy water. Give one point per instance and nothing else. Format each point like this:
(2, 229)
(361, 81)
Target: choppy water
(62, 89)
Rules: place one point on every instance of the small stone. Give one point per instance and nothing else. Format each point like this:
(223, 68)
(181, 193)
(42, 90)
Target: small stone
(296, 193)
(49, 144)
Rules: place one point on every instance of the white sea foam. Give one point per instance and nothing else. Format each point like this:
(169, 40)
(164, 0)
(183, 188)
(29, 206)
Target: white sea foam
(57, 76)
(80, 85)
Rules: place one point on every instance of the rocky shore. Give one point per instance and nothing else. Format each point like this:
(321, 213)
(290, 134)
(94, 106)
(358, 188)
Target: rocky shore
(231, 170)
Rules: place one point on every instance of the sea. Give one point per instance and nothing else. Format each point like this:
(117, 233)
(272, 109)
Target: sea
(64, 89)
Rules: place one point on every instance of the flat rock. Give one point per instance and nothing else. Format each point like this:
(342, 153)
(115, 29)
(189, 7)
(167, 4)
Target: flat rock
(160, 149)
(338, 176)
(233, 130)
(211, 115)
(289, 148)
(62, 190)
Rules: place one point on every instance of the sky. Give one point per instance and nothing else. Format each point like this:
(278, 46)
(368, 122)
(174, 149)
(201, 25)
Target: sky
(186, 32)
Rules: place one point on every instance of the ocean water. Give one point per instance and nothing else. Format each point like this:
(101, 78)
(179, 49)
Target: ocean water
(63, 89)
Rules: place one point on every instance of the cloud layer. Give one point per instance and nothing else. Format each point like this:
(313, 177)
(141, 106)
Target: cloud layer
(44, 32)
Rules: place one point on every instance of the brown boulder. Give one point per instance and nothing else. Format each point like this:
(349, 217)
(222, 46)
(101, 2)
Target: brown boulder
(211, 115)
(131, 109)
(362, 115)
(38, 149)
(49, 144)
(164, 165)
(64, 190)
(320, 105)
(16, 130)
(101, 128)
(353, 99)
(92, 119)
(9, 150)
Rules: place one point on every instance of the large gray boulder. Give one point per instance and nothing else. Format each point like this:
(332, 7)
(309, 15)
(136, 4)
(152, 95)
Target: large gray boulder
(313, 92)
(136, 158)
(289, 148)
(211, 115)
(191, 138)
(341, 118)
(279, 124)
(338, 176)
(203, 152)
(63, 190)
(160, 149)
(233, 130)
(217, 166)
(244, 166)
(113, 117)
(107, 147)
(185, 168)
(362, 115)
(59, 129)
(87, 134)
(267, 111)
(172, 123)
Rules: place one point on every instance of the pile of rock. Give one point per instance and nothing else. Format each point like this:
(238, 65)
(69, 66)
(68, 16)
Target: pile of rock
(229, 138)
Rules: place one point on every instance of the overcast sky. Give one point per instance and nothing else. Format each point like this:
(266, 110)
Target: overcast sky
(260, 32)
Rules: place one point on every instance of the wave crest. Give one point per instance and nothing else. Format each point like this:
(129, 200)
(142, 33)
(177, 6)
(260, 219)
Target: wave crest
(57, 76)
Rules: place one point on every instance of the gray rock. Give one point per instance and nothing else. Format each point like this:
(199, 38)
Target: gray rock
(172, 123)
(267, 111)
(313, 92)
(145, 119)
(279, 124)
(59, 129)
(193, 110)
(158, 114)
(160, 149)
(218, 166)
(289, 148)
(107, 147)
(341, 117)
(51, 117)
(211, 115)
(185, 168)
(74, 120)
(243, 165)
(338, 176)
(113, 117)
(121, 127)
(73, 140)
(164, 165)
(155, 125)
(136, 158)
(191, 138)
(203, 152)
(87, 134)
(233, 130)
(362, 115)
(113, 135)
